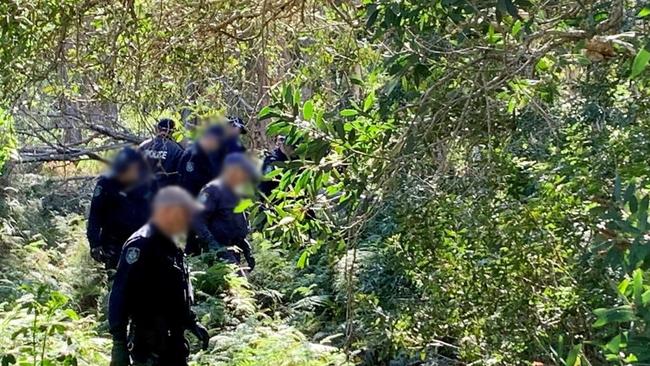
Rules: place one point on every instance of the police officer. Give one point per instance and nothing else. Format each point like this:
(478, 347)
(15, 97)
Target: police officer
(120, 205)
(149, 305)
(196, 167)
(219, 227)
(234, 129)
(283, 152)
(162, 154)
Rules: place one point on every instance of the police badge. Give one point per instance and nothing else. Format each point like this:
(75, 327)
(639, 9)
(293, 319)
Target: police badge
(203, 198)
(190, 166)
(132, 255)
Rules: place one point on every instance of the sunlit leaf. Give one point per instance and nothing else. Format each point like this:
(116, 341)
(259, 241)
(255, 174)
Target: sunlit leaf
(349, 112)
(644, 12)
(573, 358)
(243, 205)
(308, 110)
(369, 101)
(640, 62)
(303, 260)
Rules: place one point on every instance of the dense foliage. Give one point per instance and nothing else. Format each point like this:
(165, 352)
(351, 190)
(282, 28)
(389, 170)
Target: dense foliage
(472, 187)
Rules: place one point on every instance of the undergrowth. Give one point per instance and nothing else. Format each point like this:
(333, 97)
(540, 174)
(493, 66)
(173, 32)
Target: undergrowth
(52, 295)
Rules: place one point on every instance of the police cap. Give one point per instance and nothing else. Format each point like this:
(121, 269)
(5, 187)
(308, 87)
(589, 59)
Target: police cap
(124, 159)
(166, 125)
(239, 123)
(243, 162)
(215, 131)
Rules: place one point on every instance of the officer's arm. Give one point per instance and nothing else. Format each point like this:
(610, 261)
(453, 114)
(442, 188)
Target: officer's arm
(128, 280)
(209, 198)
(174, 163)
(182, 179)
(144, 144)
(98, 208)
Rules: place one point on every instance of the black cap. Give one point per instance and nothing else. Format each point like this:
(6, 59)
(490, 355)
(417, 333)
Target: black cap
(215, 131)
(239, 123)
(124, 159)
(242, 161)
(166, 125)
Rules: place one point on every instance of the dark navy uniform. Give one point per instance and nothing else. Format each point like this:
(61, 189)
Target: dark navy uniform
(162, 155)
(195, 169)
(219, 226)
(116, 212)
(270, 164)
(152, 293)
(233, 145)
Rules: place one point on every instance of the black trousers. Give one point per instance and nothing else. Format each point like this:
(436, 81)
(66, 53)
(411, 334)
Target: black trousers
(153, 348)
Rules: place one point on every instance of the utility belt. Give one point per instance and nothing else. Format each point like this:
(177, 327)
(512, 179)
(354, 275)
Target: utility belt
(163, 174)
(114, 242)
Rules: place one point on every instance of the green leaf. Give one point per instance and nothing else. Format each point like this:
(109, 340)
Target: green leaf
(340, 129)
(303, 260)
(622, 287)
(356, 80)
(644, 12)
(308, 110)
(349, 112)
(634, 204)
(296, 97)
(572, 359)
(370, 100)
(645, 298)
(618, 314)
(614, 345)
(288, 95)
(264, 112)
(516, 28)
(640, 62)
(8, 359)
(629, 192)
(243, 205)
(637, 285)
(320, 122)
(71, 314)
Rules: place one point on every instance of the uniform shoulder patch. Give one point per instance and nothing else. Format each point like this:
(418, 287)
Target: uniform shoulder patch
(189, 166)
(98, 191)
(132, 255)
(203, 197)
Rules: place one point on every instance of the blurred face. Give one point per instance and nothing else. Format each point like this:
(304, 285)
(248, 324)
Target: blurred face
(232, 131)
(287, 149)
(236, 178)
(210, 143)
(163, 132)
(280, 140)
(172, 220)
(131, 174)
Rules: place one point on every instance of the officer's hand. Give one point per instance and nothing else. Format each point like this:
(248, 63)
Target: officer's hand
(202, 334)
(246, 248)
(250, 260)
(120, 354)
(98, 254)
